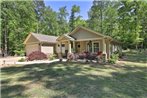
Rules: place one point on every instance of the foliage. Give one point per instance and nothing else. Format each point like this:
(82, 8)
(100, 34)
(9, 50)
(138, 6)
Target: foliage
(21, 60)
(19, 52)
(62, 20)
(36, 55)
(70, 56)
(125, 21)
(52, 56)
(113, 58)
(75, 10)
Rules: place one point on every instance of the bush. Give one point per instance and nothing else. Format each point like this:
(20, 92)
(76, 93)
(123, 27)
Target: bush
(82, 56)
(91, 56)
(113, 58)
(19, 52)
(37, 55)
(21, 60)
(70, 56)
(51, 56)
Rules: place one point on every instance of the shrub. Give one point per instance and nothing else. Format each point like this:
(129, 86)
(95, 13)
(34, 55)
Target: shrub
(70, 56)
(21, 60)
(113, 58)
(82, 56)
(91, 56)
(36, 55)
(19, 52)
(51, 56)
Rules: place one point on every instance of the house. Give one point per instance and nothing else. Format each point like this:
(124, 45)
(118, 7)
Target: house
(40, 42)
(82, 39)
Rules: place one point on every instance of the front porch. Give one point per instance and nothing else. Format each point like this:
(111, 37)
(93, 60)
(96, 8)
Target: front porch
(88, 45)
(85, 40)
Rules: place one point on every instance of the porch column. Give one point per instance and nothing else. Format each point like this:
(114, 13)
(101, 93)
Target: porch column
(69, 47)
(59, 50)
(74, 47)
(104, 48)
(60, 44)
(108, 50)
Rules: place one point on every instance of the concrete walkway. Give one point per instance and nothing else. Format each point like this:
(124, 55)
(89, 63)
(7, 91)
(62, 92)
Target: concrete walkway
(10, 61)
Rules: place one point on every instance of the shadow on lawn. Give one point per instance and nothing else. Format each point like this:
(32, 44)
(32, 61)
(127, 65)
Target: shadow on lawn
(72, 79)
(139, 57)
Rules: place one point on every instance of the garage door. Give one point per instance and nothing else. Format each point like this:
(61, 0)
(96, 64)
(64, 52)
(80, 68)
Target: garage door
(31, 48)
(47, 49)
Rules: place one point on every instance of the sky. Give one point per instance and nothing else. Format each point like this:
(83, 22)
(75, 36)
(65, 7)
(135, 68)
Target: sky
(84, 5)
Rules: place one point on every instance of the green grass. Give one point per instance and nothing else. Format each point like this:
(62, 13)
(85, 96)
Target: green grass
(126, 79)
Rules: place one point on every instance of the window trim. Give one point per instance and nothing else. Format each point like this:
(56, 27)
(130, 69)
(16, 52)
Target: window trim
(93, 45)
(87, 47)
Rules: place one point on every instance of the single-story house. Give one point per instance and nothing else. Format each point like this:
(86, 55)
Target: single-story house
(82, 39)
(40, 42)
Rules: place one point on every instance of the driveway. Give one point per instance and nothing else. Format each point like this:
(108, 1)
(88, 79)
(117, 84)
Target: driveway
(10, 61)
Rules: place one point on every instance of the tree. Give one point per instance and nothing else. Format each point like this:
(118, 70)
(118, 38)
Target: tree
(62, 20)
(18, 19)
(75, 9)
(39, 10)
(129, 23)
(96, 15)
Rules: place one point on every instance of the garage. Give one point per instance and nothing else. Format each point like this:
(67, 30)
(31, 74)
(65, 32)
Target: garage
(31, 47)
(40, 42)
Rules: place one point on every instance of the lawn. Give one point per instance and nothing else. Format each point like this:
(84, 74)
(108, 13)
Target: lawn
(126, 79)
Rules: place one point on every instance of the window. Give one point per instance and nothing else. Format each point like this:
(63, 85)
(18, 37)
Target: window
(63, 45)
(95, 47)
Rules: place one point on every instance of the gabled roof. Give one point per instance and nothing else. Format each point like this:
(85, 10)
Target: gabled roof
(66, 36)
(42, 38)
(89, 30)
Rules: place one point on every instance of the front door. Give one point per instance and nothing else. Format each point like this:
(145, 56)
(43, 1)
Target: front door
(77, 47)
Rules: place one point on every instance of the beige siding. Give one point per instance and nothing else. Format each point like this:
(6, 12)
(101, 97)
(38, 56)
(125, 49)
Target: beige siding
(83, 34)
(31, 47)
(32, 39)
(82, 46)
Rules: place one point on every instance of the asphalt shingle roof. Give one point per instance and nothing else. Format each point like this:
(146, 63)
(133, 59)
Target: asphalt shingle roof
(45, 38)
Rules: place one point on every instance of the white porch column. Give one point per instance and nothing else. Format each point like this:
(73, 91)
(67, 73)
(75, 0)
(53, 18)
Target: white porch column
(74, 47)
(60, 49)
(69, 47)
(104, 48)
(108, 50)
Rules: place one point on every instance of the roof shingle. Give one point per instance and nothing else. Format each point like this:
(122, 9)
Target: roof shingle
(45, 38)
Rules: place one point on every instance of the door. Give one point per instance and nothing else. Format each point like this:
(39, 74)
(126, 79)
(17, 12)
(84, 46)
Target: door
(77, 47)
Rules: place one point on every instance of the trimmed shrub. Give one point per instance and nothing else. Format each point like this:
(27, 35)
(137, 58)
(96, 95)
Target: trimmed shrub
(114, 57)
(70, 56)
(36, 55)
(82, 56)
(91, 56)
(21, 60)
(51, 56)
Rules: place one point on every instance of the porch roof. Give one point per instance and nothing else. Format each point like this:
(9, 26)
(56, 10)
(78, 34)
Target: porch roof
(67, 37)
